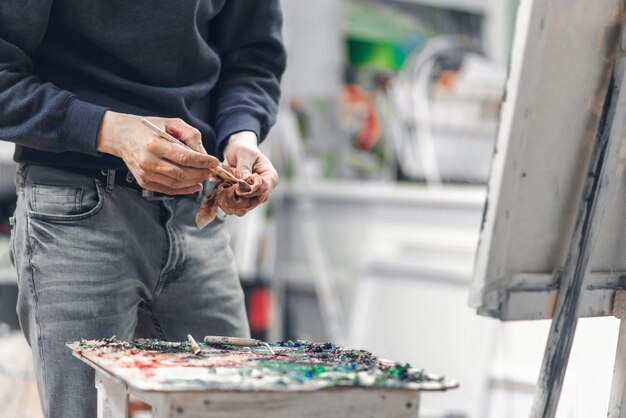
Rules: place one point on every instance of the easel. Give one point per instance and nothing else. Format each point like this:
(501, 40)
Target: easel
(594, 201)
(544, 252)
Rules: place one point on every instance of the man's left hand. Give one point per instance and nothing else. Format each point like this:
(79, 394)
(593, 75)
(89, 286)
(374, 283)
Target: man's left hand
(243, 154)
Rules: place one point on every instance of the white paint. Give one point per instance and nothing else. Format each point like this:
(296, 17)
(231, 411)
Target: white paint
(498, 164)
(542, 146)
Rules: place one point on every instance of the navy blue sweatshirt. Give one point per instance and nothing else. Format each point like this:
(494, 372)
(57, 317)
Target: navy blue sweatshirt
(214, 63)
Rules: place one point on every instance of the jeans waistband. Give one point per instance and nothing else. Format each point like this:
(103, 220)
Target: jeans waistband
(109, 177)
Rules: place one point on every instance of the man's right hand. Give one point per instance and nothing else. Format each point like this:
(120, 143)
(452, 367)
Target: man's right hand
(157, 164)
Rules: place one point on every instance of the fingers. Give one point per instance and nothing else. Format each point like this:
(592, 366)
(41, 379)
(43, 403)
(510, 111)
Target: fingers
(186, 133)
(174, 184)
(183, 176)
(157, 187)
(164, 184)
(161, 183)
(249, 160)
(266, 170)
(181, 155)
(196, 157)
(246, 158)
(157, 164)
(242, 152)
(153, 173)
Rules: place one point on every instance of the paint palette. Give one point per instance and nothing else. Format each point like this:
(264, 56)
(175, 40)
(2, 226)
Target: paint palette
(155, 365)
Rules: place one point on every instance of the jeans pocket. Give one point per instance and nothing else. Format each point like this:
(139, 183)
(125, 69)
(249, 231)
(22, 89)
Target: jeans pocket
(63, 203)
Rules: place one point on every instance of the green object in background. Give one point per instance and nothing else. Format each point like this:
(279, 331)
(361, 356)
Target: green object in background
(381, 37)
(329, 165)
(383, 56)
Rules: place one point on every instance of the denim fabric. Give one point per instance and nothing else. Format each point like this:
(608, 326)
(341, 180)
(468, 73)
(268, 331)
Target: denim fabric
(94, 262)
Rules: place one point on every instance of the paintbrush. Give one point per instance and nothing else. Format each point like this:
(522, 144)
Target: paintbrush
(195, 348)
(219, 171)
(238, 342)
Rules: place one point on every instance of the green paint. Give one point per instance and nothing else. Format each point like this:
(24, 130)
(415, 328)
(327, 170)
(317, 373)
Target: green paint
(296, 365)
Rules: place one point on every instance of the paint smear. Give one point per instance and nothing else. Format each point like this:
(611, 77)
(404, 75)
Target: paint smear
(147, 364)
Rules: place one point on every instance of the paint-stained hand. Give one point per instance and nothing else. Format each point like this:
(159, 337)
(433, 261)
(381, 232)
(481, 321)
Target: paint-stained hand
(157, 164)
(257, 179)
(243, 155)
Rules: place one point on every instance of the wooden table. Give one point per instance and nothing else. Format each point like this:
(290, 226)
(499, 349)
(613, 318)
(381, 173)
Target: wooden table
(176, 391)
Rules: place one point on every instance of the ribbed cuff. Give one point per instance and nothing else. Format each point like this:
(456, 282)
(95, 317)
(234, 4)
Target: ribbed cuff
(79, 127)
(233, 123)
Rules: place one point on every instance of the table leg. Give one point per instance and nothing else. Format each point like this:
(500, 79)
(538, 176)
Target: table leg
(112, 397)
(345, 403)
(162, 407)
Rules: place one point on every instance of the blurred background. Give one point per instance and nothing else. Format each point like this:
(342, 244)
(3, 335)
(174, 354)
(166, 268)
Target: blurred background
(383, 144)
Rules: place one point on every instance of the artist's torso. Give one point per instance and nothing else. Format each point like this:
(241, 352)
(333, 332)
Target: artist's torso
(116, 43)
(143, 57)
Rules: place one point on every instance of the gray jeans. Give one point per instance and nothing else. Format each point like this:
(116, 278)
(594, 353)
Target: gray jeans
(95, 261)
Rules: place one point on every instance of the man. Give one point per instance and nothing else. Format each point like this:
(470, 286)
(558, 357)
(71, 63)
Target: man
(96, 255)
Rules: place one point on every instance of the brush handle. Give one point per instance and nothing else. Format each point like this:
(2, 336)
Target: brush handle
(163, 134)
(219, 171)
(195, 348)
(240, 342)
(226, 175)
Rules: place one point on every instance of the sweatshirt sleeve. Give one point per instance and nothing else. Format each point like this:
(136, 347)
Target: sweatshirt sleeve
(247, 36)
(33, 113)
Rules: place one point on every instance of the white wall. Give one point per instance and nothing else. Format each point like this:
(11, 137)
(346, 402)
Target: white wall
(6, 151)
(424, 319)
(313, 32)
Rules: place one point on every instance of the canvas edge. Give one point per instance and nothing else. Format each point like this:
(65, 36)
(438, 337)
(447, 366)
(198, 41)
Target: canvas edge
(483, 277)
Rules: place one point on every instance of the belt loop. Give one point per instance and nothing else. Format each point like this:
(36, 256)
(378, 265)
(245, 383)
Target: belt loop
(110, 181)
(20, 176)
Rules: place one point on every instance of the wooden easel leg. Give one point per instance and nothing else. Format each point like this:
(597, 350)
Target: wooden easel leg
(617, 402)
(595, 199)
(112, 397)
